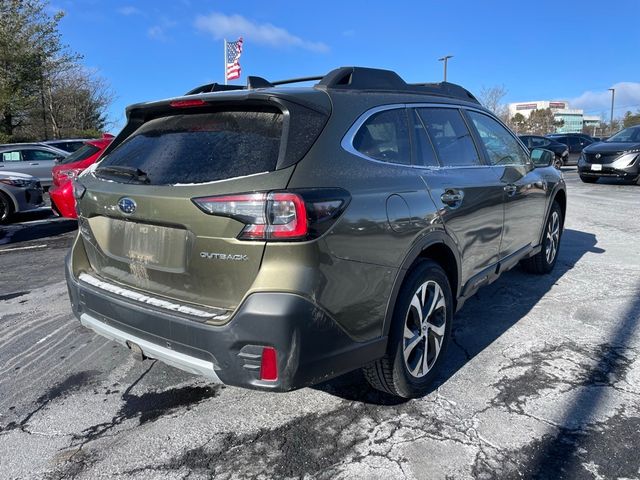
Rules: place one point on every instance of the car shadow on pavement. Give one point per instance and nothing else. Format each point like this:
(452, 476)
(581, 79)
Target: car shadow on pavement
(24, 232)
(561, 454)
(482, 320)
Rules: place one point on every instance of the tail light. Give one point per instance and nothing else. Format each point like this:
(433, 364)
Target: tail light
(61, 176)
(279, 216)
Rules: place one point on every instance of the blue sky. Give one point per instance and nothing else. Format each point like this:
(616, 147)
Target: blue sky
(573, 50)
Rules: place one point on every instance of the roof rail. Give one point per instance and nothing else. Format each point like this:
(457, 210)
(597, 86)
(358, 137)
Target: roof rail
(353, 78)
(448, 89)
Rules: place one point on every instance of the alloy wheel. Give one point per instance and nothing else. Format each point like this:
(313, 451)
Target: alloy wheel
(424, 329)
(553, 237)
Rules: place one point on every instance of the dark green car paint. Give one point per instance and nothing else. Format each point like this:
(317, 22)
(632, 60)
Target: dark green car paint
(353, 272)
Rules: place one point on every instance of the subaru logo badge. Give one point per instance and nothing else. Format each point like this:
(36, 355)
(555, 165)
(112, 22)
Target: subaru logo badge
(126, 205)
(598, 155)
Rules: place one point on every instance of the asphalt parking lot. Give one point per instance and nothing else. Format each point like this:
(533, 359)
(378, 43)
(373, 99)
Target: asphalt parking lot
(542, 381)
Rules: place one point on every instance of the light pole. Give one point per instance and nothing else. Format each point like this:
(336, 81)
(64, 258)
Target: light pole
(444, 59)
(613, 96)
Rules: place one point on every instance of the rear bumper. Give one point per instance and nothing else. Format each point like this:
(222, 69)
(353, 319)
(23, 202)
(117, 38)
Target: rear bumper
(310, 345)
(62, 198)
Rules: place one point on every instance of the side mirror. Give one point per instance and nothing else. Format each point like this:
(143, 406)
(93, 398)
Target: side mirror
(542, 157)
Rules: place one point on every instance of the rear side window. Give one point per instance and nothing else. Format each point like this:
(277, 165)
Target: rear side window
(200, 148)
(82, 153)
(35, 155)
(384, 136)
(450, 136)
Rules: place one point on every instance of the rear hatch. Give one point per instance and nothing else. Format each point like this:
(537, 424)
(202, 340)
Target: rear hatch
(140, 227)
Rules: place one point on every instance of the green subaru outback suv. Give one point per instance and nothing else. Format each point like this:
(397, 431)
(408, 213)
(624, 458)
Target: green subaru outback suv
(274, 237)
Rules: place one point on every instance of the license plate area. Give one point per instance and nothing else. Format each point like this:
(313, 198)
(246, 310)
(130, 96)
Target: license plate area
(596, 167)
(152, 246)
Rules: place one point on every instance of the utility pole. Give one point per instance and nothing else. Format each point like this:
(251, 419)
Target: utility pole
(444, 59)
(613, 96)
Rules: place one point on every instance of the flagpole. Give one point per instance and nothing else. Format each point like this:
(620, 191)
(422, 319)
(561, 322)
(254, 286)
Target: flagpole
(225, 61)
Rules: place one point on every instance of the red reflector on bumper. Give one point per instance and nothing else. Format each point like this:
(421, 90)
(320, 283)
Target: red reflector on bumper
(269, 364)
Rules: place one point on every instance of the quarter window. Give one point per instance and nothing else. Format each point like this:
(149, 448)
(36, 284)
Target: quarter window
(385, 137)
(450, 136)
(34, 155)
(502, 148)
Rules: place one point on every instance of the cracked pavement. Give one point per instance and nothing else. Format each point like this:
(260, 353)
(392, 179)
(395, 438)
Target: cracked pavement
(542, 381)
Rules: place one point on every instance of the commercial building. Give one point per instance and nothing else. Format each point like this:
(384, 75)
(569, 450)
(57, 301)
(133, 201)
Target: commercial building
(574, 119)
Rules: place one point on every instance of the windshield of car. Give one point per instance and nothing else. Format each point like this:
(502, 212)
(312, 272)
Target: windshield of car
(82, 153)
(628, 135)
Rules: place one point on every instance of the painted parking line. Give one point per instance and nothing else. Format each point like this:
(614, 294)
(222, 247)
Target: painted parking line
(30, 247)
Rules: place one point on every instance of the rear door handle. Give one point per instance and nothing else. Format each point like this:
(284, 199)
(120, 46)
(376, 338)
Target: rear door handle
(452, 198)
(510, 189)
(34, 163)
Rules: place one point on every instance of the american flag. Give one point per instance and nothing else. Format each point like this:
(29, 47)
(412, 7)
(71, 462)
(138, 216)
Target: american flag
(234, 50)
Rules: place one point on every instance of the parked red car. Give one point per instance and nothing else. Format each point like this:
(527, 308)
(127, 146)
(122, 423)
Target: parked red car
(61, 192)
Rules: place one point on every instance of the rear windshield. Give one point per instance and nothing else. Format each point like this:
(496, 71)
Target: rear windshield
(198, 148)
(82, 153)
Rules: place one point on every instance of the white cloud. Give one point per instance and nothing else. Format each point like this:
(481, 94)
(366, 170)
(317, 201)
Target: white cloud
(627, 97)
(129, 10)
(231, 26)
(156, 32)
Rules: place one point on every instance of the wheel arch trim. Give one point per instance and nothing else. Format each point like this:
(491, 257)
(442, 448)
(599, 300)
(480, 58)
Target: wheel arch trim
(429, 240)
(552, 198)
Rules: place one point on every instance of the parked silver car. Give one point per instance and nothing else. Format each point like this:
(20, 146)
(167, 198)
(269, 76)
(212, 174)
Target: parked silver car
(68, 144)
(35, 159)
(18, 193)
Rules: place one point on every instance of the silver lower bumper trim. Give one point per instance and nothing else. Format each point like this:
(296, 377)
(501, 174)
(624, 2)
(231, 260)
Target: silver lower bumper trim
(175, 359)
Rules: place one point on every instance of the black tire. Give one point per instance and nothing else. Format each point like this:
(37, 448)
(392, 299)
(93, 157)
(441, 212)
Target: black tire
(544, 261)
(391, 373)
(6, 208)
(586, 179)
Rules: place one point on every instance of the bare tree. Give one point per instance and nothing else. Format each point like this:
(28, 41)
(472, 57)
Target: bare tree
(492, 99)
(76, 100)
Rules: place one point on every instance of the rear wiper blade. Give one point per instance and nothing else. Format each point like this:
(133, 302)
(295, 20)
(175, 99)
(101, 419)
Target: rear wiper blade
(120, 170)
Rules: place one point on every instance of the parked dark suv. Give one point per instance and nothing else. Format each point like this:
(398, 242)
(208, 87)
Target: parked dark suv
(272, 237)
(575, 143)
(560, 150)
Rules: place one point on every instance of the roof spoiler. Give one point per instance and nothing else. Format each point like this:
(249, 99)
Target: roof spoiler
(351, 78)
